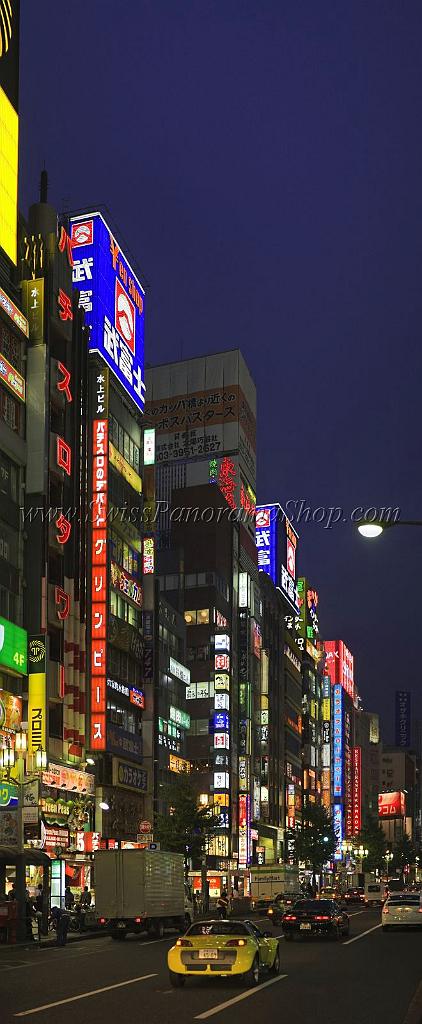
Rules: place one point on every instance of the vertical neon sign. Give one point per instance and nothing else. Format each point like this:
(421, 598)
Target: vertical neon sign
(99, 584)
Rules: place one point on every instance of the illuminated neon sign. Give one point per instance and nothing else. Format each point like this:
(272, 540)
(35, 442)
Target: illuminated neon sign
(114, 302)
(357, 790)
(338, 743)
(338, 829)
(99, 584)
(339, 665)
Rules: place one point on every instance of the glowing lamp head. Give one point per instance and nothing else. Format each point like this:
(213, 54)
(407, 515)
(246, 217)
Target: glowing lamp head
(104, 805)
(370, 529)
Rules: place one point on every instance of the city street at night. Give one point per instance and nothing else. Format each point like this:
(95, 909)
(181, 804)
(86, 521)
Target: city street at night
(368, 977)
(210, 334)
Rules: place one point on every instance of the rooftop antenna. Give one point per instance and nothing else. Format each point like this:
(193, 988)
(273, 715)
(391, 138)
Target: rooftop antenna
(43, 186)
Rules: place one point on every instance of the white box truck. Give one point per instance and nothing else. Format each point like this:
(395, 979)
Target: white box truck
(268, 881)
(142, 890)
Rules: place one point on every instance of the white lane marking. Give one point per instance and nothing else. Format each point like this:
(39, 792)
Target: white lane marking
(238, 999)
(84, 995)
(76, 956)
(362, 935)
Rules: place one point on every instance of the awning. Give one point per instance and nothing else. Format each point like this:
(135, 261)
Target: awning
(9, 855)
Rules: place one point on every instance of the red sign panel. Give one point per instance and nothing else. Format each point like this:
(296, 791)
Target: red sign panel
(391, 805)
(357, 790)
(99, 584)
(339, 665)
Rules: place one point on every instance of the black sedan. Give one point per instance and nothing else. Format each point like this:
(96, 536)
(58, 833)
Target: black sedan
(351, 896)
(276, 910)
(315, 917)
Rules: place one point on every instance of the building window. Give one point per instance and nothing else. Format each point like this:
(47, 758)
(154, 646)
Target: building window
(9, 605)
(55, 721)
(9, 478)
(11, 347)
(122, 717)
(125, 555)
(123, 610)
(197, 617)
(201, 653)
(10, 411)
(124, 443)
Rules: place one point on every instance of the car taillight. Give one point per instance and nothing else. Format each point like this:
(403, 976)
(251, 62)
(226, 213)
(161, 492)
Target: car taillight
(236, 942)
(183, 942)
(102, 920)
(138, 920)
(385, 910)
(322, 917)
(420, 910)
(290, 917)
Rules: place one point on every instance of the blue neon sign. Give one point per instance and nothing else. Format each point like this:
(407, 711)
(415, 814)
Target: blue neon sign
(220, 721)
(338, 829)
(338, 743)
(266, 537)
(114, 302)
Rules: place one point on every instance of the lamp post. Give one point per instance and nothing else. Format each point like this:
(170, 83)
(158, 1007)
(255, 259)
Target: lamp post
(374, 529)
(388, 857)
(26, 767)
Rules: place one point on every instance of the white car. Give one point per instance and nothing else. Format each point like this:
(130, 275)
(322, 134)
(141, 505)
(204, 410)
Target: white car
(402, 909)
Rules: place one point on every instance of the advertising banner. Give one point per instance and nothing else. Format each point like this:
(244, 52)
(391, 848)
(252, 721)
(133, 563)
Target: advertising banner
(114, 302)
(391, 805)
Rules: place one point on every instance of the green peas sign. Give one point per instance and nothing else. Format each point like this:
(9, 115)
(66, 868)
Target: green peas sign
(13, 647)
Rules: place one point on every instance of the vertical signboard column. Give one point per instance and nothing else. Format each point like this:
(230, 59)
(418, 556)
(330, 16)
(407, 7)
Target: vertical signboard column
(338, 770)
(99, 505)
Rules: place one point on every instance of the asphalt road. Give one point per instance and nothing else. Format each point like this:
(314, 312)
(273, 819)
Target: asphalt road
(369, 978)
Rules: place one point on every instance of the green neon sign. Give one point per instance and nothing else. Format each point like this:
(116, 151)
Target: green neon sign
(13, 647)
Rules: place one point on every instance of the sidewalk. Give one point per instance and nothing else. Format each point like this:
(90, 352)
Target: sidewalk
(49, 940)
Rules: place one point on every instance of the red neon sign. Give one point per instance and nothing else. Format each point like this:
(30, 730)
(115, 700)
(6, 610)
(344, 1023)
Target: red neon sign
(65, 243)
(64, 455)
(227, 480)
(357, 790)
(63, 384)
(339, 665)
(64, 303)
(62, 601)
(64, 528)
(99, 584)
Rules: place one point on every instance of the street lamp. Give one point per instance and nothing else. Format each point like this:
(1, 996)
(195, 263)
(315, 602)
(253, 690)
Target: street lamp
(370, 530)
(388, 857)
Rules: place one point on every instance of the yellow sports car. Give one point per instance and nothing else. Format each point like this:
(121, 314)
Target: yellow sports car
(222, 948)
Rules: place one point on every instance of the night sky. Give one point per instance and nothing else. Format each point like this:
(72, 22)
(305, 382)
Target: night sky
(263, 162)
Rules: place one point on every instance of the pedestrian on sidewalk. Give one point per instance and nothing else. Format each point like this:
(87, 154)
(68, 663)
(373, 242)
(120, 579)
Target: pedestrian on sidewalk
(69, 898)
(62, 926)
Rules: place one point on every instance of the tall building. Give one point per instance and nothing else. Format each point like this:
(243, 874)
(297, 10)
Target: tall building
(316, 727)
(120, 606)
(398, 793)
(346, 757)
(203, 411)
(13, 344)
(276, 542)
(172, 716)
(204, 414)
(367, 739)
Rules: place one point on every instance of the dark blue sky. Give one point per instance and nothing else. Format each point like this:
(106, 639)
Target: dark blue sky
(263, 160)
